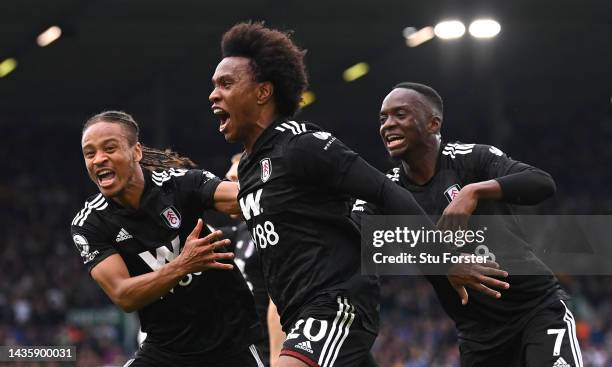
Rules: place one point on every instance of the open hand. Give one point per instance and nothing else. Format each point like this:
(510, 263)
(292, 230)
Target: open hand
(199, 253)
(479, 277)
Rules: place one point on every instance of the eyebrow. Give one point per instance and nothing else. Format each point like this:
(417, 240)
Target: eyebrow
(395, 108)
(106, 141)
(222, 76)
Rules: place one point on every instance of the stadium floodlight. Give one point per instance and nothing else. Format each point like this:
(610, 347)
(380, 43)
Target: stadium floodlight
(484, 28)
(7, 66)
(449, 29)
(308, 98)
(49, 36)
(355, 72)
(415, 38)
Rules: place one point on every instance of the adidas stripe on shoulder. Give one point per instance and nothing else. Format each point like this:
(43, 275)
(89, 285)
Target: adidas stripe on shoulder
(394, 175)
(454, 149)
(97, 203)
(292, 126)
(159, 177)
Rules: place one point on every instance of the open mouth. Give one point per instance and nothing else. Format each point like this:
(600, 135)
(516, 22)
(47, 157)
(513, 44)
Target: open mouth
(223, 117)
(106, 177)
(394, 141)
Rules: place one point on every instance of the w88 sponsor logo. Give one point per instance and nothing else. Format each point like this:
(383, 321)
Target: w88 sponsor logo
(264, 235)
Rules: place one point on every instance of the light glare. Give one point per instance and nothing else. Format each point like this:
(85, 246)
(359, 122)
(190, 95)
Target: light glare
(450, 29)
(484, 28)
(7, 66)
(49, 36)
(355, 72)
(421, 36)
(308, 98)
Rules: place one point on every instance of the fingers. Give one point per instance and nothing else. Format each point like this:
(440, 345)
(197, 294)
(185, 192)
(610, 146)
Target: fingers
(221, 266)
(213, 236)
(211, 240)
(491, 264)
(484, 290)
(463, 294)
(223, 256)
(491, 271)
(494, 282)
(195, 233)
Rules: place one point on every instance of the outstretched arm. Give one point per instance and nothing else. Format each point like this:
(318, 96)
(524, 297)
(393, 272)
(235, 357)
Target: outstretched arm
(226, 198)
(342, 169)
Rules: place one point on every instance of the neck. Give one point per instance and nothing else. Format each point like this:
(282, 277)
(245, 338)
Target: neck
(258, 127)
(131, 194)
(420, 164)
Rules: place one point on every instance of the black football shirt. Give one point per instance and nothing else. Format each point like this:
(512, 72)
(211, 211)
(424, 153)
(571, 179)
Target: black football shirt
(483, 319)
(208, 313)
(299, 218)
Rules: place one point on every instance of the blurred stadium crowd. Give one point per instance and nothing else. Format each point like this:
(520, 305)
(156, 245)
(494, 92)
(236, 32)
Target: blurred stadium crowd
(47, 298)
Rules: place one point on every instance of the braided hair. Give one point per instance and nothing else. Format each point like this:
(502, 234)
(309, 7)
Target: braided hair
(152, 158)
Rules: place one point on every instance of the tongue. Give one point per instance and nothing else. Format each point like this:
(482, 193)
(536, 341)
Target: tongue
(107, 179)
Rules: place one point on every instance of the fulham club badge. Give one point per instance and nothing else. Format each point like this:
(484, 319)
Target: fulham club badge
(266, 169)
(171, 217)
(452, 192)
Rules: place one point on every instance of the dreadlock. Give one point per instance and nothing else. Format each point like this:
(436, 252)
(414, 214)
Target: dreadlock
(152, 158)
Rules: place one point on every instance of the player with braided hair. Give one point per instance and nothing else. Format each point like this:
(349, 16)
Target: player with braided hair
(140, 240)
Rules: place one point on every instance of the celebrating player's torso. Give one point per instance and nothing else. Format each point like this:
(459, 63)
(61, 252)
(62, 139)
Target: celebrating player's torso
(307, 244)
(459, 165)
(187, 319)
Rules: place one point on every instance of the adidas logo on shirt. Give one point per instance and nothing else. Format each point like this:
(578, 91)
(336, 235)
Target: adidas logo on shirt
(304, 346)
(123, 235)
(561, 363)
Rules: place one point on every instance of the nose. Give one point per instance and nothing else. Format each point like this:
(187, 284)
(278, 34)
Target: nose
(387, 123)
(99, 158)
(214, 95)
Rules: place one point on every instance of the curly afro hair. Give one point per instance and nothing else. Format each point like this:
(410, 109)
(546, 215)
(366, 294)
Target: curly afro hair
(274, 58)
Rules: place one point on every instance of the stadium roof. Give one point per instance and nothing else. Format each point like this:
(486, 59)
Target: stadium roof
(116, 53)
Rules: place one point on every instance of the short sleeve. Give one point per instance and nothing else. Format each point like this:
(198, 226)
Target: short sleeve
(319, 157)
(200, 186)
(91, 245)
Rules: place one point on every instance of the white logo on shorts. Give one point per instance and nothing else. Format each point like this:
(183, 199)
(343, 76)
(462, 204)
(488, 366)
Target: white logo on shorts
(305, 346)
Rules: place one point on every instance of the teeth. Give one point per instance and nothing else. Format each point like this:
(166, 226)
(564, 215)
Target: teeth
(104, 172)
(391, 138)
(218, 111)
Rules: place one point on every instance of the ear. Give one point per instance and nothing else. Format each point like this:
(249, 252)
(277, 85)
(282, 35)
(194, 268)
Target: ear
(434, 125)
(137, 150)
(265, 91)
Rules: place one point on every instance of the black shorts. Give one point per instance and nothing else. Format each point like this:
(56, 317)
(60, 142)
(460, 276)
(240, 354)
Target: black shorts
(330, 334)
(149, 356)
(547, 339)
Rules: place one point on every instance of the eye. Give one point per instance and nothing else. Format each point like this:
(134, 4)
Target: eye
(89, 154)
(110, 149)
(382, 119)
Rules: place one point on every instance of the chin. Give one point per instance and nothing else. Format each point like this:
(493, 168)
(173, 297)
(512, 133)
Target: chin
(231, 137)
(396, 154)
(109, 192)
